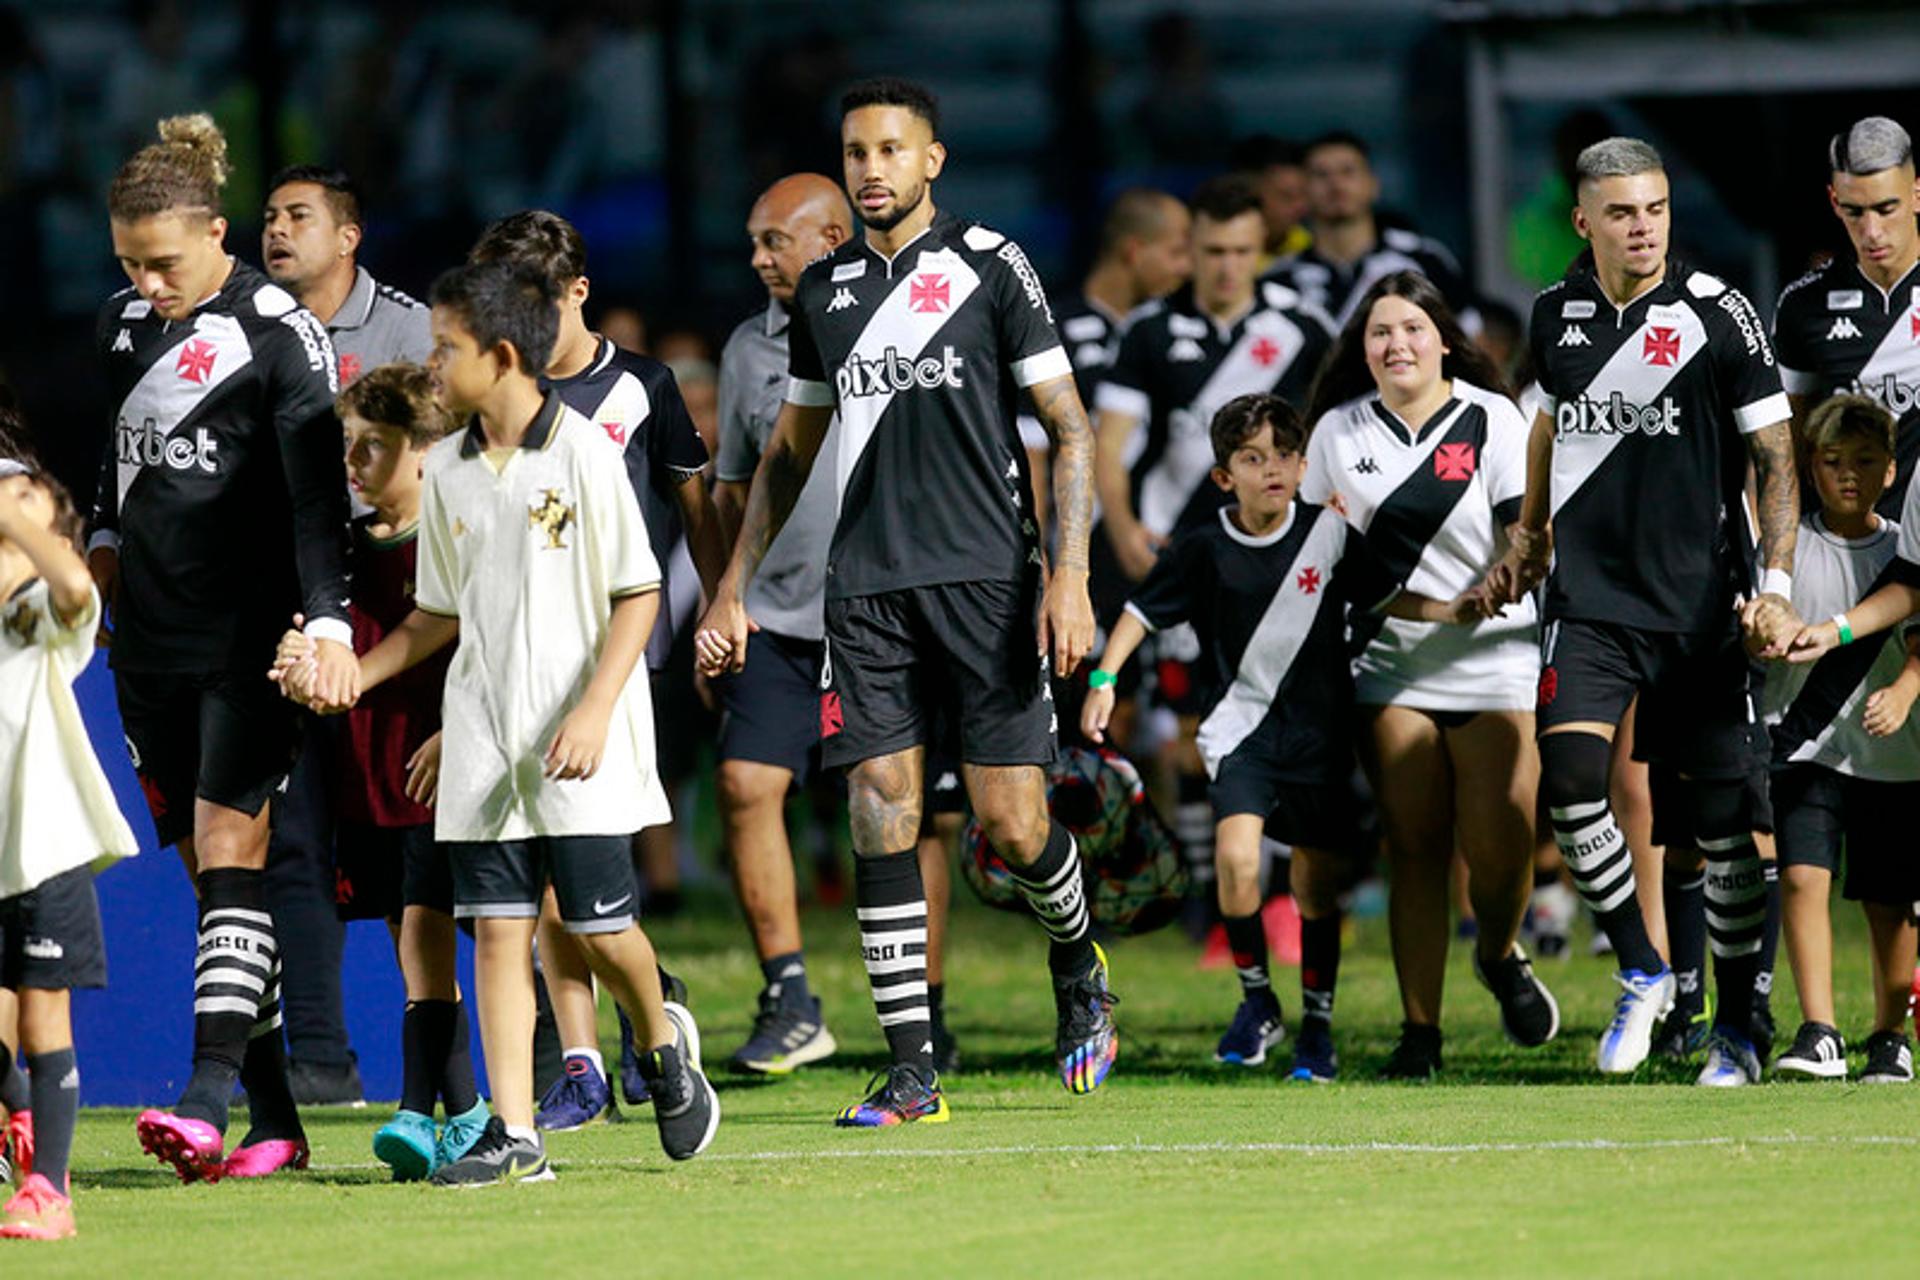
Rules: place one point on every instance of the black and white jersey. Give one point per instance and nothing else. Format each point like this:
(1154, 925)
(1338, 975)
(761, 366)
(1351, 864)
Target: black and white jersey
(1814, 712)
(923, 353)
(1270, 612)
(1091, 335)
(1177, 367)
(1835, 330)
(1650, 404)
(1433, 508)
(1337, 288)
(635, 400)
(223, 485)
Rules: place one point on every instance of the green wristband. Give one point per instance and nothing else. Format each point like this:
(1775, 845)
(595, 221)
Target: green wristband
(1846, 632)
(1098, 679)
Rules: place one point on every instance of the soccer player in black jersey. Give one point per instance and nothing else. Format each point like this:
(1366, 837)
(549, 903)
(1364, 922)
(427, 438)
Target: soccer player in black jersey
(1854, 324)
(221, 510)
(1658, 386)
(920, 332)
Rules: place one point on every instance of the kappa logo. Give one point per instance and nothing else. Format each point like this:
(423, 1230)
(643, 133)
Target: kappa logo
(1308, 580)
(929, 294)
(1454, 462)
(1662, 346)
(842, 299)
(1575, 338)
(1366, 467)
(123, 341)
(1843, 327)
(197, 357)
(1186, 351)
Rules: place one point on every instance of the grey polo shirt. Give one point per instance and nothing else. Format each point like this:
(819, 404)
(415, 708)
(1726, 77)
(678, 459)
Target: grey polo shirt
(377, 325)
(786, 592)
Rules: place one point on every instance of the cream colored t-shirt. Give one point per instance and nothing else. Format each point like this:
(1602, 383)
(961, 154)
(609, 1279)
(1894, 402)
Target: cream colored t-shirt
(60, 812)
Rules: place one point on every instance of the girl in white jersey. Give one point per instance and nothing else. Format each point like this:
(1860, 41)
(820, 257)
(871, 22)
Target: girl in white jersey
(1415, 440)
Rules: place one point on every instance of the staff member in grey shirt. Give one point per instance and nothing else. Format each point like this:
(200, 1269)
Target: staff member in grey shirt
(770, 726)
(309, 245)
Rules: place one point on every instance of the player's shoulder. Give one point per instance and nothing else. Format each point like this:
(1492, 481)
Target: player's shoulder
(278, 327)
(1803, 295)
(1418, 247)
(1724, 310)
(445, 452)
(1348, 415)
(579, 438)
(1276, 295)
(398, 299)
(843, 264)
(1496, 404)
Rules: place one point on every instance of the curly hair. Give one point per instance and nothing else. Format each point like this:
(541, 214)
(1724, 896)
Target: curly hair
(398, 395)
(183, 172)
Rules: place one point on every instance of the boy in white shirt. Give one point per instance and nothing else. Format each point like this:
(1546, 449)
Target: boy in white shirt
(534, 555)
(58, 823)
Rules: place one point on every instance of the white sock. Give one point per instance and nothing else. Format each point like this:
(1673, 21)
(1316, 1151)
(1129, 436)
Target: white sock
(523, 1133)
(591, 1055)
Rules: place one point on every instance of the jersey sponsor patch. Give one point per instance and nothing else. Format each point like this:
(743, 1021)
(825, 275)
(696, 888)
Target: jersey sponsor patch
(849, 271)
(1845, 299)
(1578, 309)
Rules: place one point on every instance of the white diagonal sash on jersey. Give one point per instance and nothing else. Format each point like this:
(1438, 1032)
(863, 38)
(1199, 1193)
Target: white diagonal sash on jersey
(1897, 361)
(909, 333)
(625, 406)
(164, 398)
(1271, 648)
(1183, 465)
(1577, 456)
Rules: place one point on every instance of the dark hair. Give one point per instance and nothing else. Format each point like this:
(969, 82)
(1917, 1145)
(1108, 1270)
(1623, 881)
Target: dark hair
(536, 238)
(1224, 198)
(16, 445)
(1344, 374)
(343, 197)
(398, 395)
(183, 172)
(511, 302)
(1241, 418)
(1849, 417)
(892, 91)
(1339, 138)
(1138, 213)
(1263, 151)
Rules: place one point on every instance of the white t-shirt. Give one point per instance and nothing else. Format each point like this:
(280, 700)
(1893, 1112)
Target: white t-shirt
(530, 558)
(1434, 510)
(1814, 711)
(59, 812)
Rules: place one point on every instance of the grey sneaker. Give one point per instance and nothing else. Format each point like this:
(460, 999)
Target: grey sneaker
(498, 1157)
(684, 1104)
(783, 1039)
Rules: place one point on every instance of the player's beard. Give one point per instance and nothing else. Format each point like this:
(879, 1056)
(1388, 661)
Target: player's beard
(899, 213)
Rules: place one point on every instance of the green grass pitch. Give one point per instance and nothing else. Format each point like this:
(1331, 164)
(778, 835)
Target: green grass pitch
(1514, 1163)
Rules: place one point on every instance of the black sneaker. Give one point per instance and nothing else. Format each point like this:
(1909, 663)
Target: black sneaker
(905, 1096)
(325, 1084)
(684, 1104)
(1682, 1033)
(498, 1157)
(1889, 1059)
(1762, 1030)
(633, 1085)
(1085, 1040)
(784, 1037)
(946, 1051)
(1818, 1053)
(1314, 1058)
(1416, 1057)
(1528, 1013)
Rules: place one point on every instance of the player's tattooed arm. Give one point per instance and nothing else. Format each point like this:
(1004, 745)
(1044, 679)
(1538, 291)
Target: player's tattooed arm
(720, 644)
(883, 801)
(1060, 410)
(1769, 617)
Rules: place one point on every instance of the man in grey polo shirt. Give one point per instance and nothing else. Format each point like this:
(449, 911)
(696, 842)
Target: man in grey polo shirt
(770, 729)
(311, 238)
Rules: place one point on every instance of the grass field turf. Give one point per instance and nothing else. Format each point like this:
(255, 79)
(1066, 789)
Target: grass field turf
(1514, 1162)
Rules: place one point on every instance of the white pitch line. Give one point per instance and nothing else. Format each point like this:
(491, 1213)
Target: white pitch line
(1274, 1148)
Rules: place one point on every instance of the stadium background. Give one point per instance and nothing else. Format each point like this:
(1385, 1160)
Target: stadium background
(651, 123)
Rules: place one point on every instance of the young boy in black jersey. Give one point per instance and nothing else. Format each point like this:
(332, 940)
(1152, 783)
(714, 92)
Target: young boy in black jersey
(1266, 586)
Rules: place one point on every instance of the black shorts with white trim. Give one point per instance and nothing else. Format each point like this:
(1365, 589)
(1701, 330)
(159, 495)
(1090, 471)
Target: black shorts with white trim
(592, 878)
(50, 936)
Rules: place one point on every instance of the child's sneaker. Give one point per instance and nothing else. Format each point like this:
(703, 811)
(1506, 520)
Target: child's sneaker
(194, 1148)
(459, 1134)
(406, 1144)
(37, 1212)
(1256, 1028)
(1314, 1059)
(498, 1157)
(1818, 1053)
(266, 1157)
(580, 1097)
(1416, 1056)
(684, 1104)
(1889, 1059)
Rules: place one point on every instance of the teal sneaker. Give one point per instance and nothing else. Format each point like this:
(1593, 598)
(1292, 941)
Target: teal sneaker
(460, 1133)
(406, 1145)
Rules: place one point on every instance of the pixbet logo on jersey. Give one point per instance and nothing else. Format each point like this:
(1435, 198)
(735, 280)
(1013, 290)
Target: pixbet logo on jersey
(1616, 416)
(1896, 395)
(144, 446)
(895, 372)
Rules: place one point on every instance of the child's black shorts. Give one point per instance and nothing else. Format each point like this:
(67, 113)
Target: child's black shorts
(50, 936)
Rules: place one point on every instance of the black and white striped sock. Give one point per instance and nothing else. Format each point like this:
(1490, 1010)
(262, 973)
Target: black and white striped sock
(234, 969)
(263, 1072)
(1055, 895)
(891, 905)
(1736, 920)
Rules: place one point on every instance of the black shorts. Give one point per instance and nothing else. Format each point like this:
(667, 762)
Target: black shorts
(1821, 811)
(226, 737)
(891, 656)
(1673, 812)
(380, 870)
(50, 936)
(770, 709)
(592, 877)
(1319, 815)
(1696, 712)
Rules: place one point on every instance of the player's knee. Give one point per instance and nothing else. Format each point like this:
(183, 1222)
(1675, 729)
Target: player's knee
(1722, 812)
(1014, 830)
(1573, 768)
(745, 784)
(1803, 879)
(1236, 863)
